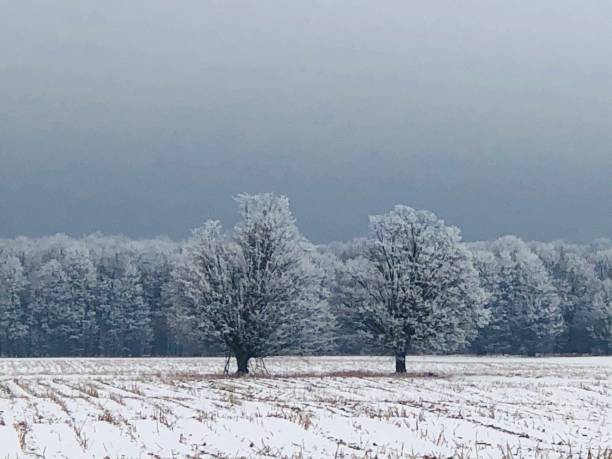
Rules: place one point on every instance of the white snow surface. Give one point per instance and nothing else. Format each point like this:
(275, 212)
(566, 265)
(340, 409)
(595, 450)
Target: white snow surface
(299, 407)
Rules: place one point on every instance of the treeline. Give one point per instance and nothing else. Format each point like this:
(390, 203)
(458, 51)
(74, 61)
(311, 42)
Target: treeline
(97, 295)
(410, 285)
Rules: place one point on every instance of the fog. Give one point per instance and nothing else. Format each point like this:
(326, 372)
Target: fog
(145, 117)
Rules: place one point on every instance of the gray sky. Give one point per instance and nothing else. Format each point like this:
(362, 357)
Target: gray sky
(145, 117)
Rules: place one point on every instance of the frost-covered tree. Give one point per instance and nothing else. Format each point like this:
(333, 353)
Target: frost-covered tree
(13, 319)
(184, 318)
(350, 339)
(600, 327)
(154, 263)
(602, 261)
(125, 322)
(109, 339)
(254, 289)
(523, 303)
(414, 286)
(51, 320)
(135, 313)
(321, 332)
(573, 277)
(599, 315)
(80, 277)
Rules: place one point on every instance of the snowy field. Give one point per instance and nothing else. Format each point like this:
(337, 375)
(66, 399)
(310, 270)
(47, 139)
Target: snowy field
(306, 407)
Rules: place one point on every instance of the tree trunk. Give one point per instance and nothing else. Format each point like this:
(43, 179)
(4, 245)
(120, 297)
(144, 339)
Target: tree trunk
(242, 360)
(400, 362)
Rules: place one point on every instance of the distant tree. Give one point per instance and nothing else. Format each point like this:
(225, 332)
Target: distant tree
(523, 303)
(125, 321)
(51, 321)
(573, 278)
(255, 289)
(154, 263)
(135, 316)
(414, 286)
(602, 261)
(108, 313)
(80, 278)
(350, 338)
(13, 318)
(600, 325)
(189, 336)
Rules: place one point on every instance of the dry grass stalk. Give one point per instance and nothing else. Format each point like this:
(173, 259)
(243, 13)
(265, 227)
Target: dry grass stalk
(22, 429)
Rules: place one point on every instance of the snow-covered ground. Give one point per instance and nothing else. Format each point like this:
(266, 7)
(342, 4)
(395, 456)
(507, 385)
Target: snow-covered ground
(178, 408)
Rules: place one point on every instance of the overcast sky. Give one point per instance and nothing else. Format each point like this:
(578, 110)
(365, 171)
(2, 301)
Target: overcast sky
(145, 117)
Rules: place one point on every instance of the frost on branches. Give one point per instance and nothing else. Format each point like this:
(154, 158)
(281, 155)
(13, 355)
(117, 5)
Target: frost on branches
(261, 289)
(573, 277)
(599, 323)
(257, 289)
(524, 305)
(414, 285)
(13, 319)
